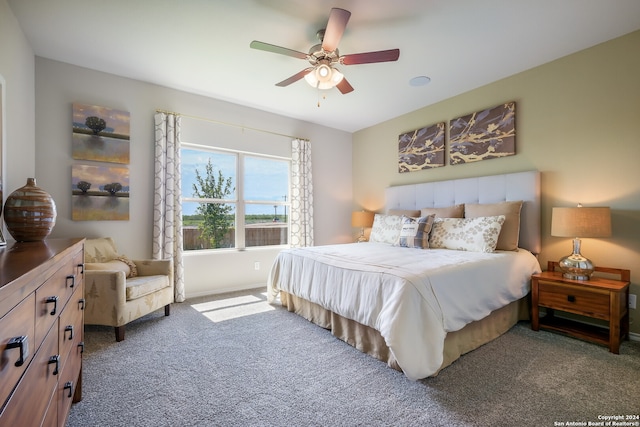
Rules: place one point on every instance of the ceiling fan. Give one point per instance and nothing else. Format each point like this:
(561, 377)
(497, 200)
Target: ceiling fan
(322, 74)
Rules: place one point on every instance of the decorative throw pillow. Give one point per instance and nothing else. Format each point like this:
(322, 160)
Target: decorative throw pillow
(455, 211)
(415, 232)
(386, 228)
(466, 234)
(131, 264)
(406, 212)
(510, 233)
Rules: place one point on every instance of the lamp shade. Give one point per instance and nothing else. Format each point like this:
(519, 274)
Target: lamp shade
(362, 219)
(581, 222)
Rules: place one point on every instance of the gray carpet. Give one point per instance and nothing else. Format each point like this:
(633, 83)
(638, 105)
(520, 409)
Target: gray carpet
(233, 360)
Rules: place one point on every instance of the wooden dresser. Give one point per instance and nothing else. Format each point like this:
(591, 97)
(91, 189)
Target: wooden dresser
(41, 331)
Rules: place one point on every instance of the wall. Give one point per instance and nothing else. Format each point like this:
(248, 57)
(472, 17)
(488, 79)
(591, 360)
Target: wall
(576, 122)
(17, 67)
(59, 85)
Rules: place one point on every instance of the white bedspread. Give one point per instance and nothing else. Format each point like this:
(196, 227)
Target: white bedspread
(413, 297)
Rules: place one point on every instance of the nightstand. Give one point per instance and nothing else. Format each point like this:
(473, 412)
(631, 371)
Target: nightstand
(596, 298)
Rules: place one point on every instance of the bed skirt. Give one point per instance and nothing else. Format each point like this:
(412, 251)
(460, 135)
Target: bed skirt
(369, 340)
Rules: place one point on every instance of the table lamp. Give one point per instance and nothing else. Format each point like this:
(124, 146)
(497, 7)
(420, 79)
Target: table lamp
(362, 219)
(579, 222)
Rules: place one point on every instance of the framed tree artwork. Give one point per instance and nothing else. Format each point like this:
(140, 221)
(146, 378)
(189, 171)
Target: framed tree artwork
(100, 134)
(99, 193)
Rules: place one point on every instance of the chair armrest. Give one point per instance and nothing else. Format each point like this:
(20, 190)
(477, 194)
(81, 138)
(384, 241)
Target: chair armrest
(155, 267)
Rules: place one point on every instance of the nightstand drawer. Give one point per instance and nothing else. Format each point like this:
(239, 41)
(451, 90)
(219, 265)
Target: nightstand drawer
(574, 300)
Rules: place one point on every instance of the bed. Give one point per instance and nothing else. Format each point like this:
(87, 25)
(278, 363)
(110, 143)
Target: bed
(420, 308)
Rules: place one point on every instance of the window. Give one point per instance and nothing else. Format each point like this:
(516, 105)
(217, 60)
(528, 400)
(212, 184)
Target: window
(233, 199)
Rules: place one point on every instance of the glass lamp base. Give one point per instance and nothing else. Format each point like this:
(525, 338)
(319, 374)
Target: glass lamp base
(361, 237)
(576, 269)
(575, 266)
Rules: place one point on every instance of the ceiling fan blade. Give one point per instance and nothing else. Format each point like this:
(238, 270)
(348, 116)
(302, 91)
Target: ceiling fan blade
(338, 19)
(371, 57)
(344, 87)
(295, 77)
(277, 49)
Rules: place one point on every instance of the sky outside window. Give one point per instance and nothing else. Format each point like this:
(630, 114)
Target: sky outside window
(265, 178)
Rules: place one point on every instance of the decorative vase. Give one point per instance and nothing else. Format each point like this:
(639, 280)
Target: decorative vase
(30, 213)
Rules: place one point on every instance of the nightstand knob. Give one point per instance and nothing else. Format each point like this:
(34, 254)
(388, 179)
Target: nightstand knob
(571, 298)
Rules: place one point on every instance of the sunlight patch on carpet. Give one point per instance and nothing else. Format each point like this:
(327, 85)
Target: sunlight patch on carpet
(233, 308)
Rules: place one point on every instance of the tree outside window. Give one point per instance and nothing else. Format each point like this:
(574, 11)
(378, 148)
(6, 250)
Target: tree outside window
(217, 219)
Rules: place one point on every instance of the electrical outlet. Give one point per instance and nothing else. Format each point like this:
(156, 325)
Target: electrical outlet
(632, 301)
(256, 265)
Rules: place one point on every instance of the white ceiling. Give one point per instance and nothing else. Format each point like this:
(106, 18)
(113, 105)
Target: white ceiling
(202, 46)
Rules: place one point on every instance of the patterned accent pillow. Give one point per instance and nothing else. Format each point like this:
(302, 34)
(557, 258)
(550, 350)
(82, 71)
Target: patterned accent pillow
(466, 234)
(386, 228)
(132, 266)
(415, 232)
(510, 233)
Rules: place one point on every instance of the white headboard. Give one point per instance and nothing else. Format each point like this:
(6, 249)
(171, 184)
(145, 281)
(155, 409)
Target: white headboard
(523, 186)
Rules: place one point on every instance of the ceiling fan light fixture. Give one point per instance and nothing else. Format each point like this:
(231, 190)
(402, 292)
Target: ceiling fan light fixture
(322, 56)
(323, 73)
(336, 76)
(324, 77)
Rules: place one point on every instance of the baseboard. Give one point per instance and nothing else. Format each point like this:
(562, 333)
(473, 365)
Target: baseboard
(634, 337)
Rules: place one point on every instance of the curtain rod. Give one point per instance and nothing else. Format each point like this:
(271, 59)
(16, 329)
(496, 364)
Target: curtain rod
(228, 124)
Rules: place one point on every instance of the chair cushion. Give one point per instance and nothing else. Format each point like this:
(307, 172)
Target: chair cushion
(102, 249)
(144, 285)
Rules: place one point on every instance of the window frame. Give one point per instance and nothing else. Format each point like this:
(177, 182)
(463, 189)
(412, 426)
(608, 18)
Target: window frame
(238, 201)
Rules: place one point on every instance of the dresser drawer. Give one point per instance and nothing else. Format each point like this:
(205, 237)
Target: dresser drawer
(53, 295)
(573, 299)
(19, 322)
(69, 384)
(40, 380)
(71, 325)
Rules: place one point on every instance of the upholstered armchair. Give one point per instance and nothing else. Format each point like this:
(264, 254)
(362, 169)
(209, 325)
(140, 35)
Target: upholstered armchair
(119, 290)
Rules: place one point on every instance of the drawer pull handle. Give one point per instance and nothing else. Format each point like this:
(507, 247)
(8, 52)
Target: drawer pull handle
(571, 298)
(21, 342)
(81, 345)
(55, 359)
(82, 301)
(81, 267)
(71, 277)
(69, 328)
(53, 300)
(68, 385)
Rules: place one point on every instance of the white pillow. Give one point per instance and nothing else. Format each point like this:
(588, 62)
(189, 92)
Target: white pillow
(386, 228)
(414, 232)
(467, 234)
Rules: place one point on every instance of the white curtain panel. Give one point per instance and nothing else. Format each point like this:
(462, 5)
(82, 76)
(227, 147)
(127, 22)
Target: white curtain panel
(301, 194)
(167, 208)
